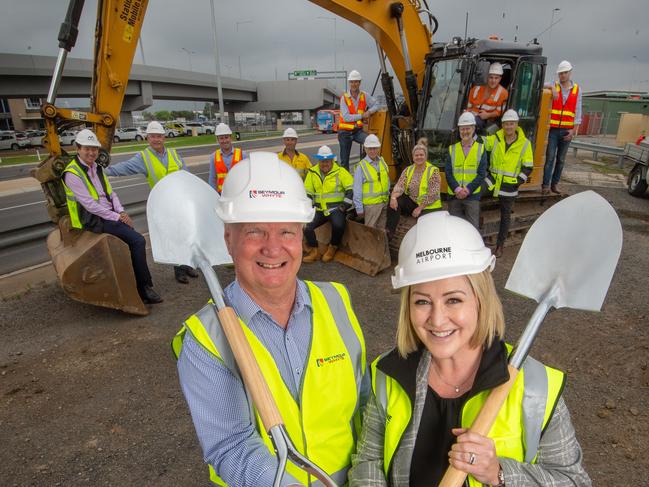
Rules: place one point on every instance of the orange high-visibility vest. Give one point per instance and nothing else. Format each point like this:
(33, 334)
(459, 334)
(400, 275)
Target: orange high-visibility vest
(362, 105)
(221, 169)
(495, 101)
(563, 114)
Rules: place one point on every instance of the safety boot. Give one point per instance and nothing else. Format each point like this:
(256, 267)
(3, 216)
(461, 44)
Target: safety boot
(330, 253)
(498, 253)
(545, 190)
(312, 255)
(180, 274)
(555, 189)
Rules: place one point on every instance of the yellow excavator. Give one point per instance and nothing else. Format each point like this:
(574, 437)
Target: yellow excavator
(434, 78)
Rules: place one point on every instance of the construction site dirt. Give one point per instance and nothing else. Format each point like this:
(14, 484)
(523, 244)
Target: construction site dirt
(90, 396)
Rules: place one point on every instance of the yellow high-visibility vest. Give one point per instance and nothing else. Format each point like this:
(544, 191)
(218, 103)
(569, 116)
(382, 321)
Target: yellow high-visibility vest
(375, 184)
(155, 170)
(71, 200)
(465, 169)
(423, 184)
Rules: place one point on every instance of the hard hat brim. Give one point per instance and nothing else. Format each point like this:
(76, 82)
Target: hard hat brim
(399, 282)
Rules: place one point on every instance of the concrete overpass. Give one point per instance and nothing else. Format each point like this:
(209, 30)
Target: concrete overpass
(26, 76)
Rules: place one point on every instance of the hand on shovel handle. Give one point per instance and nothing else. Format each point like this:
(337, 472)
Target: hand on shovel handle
(250, 370)
(482, 424)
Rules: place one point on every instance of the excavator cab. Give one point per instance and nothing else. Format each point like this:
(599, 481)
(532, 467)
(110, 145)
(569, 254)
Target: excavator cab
(453, 69)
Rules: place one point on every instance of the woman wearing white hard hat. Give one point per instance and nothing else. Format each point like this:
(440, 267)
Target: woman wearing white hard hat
(372, 185)
(465, 169)
(417, 190)
(330, 187)
(290, 155)
(511, 163)
(449, 354)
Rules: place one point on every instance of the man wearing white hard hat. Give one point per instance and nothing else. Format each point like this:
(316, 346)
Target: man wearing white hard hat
(356, 107)
(94, 206)
(298, 160)
(224, 158)
(304, 335)
(487, 102)
(565, 119)
(330, 186)
(154, 162)
(511, 163)
(450, 354)
(465, 169)
(372, 185)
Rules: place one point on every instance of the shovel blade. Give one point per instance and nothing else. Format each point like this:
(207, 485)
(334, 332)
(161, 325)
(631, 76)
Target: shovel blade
(183, 225)
(572, 249)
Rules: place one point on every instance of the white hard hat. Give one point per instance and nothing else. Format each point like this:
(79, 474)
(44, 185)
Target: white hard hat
(564, 66)
(223, 129)
(372, 141)
(290, 133)
(440, 246)
(510, 116)
(155, 128)
(496, 68)
(466, 119)
(88, 138)
(325, 152)
(262, 188)
(354, 76)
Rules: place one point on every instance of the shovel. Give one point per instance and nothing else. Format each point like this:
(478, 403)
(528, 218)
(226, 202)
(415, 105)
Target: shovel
(185, 230)
(567, 260)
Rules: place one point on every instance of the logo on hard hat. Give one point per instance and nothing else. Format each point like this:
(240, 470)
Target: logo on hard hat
(432, 255)
(266, 193)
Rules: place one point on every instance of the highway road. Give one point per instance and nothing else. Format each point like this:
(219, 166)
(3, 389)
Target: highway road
(23, 215)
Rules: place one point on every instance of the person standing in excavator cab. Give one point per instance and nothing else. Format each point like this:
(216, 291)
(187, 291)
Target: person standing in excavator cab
(487, 102)
(154, 162)
(223, 158)
(95, 207)
(356, 107)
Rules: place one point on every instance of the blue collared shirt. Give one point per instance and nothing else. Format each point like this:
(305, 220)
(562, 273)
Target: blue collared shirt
(217, 399)
(370, 102)
(136, 165)
(227, 160)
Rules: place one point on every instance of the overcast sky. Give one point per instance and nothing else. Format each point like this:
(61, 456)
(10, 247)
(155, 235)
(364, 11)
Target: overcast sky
(607, 42)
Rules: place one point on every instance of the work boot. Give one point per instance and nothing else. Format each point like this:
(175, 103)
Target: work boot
(181, 274)
(149, 296)
(545, 190)
(190, 271)
(330, 253)
(554, 189)
(312, 255)
(499, 251)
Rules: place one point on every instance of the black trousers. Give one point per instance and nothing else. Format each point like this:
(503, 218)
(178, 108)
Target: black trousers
(405, 207)
(506, 205)
(137, 245)
(338, 221)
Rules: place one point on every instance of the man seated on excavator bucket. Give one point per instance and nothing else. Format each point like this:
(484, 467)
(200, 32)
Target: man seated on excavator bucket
(93, 206)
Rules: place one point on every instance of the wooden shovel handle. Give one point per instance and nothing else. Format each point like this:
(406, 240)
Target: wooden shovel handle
(252, 376)
(482, 424)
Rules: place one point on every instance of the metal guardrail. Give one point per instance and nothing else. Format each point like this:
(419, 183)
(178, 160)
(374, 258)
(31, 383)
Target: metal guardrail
(597, 149)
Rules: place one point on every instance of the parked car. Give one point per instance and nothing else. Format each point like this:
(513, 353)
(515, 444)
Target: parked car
(129, 133)
(201, 129)
(67, 137)
(35, 137)
(9, 140)
(638, 180)
(174, 129)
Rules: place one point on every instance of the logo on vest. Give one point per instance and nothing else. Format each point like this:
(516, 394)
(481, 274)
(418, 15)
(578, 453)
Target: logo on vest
(321, 362)
(432, 255)
(266, 193)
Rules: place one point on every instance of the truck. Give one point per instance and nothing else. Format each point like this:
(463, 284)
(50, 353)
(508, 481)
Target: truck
(435, 78)
(327, 121)
(638, 155)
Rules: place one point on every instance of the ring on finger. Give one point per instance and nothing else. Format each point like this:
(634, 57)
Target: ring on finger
(471, 458)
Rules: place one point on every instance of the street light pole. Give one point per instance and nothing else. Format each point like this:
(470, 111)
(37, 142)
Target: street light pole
(554, 10)
(219, 86)
(237, 23)
(189, 57)
(335, 47)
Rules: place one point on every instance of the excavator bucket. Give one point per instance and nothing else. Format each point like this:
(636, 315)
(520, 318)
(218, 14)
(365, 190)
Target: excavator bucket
(95, 268)
(363, 248)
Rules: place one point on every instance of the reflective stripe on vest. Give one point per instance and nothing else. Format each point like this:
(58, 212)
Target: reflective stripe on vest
(465, 169)
(423, 184)
(518, 426)
(362, 105)
(326, 192)
(155, 170)
(71, 200)
(221, 169)
(506, 168)
(336, 364)
(563, 115)
(375, 185)
(479, 101)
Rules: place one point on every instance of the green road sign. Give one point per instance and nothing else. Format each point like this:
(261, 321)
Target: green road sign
(307, 72)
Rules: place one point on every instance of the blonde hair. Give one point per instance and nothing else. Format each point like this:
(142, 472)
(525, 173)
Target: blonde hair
(422, 144)
(491, 321)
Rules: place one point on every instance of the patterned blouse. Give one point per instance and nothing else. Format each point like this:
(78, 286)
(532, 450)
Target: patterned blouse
(434, 184)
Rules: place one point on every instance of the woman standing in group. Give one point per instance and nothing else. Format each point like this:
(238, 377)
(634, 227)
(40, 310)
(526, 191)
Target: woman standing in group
(417, 190)
(449, 355)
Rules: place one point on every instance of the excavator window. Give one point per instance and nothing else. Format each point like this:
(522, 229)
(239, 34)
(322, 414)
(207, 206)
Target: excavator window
(525, 95)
